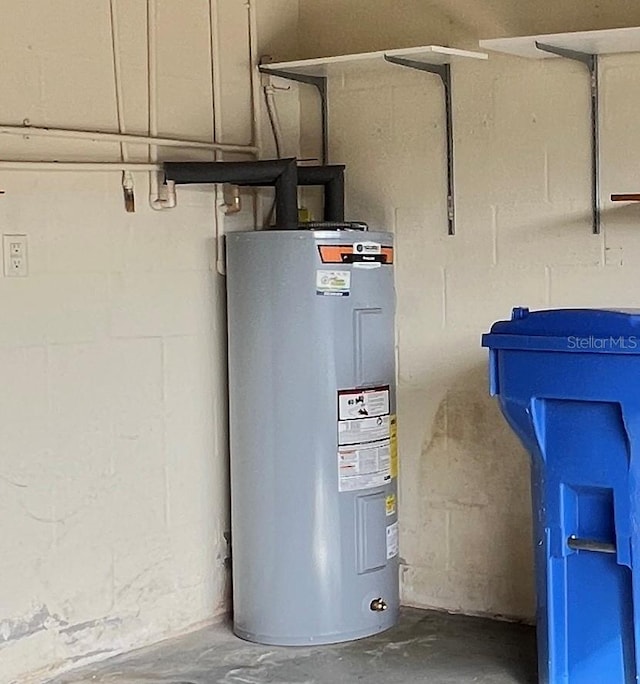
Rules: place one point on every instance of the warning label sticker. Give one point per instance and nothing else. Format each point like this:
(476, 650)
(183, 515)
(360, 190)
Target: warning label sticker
(333, 283)
(368, 403)
(393, 436)
(363, 430)
(392, 540)
(364, 466)
(390, 504)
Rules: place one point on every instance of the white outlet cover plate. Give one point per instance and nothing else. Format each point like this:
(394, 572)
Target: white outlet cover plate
(15, 259)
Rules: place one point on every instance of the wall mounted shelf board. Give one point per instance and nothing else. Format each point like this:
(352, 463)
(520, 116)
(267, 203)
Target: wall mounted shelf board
(340, 64)
(606, 42)
(585, 47)
(434, 59)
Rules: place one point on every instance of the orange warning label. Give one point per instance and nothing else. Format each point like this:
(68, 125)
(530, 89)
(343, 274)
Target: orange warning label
(344, 254)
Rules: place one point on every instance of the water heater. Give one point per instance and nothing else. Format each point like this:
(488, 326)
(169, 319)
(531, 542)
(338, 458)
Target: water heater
(312, 434)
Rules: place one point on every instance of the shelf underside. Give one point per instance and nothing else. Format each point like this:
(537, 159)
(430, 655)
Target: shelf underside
(606, 42)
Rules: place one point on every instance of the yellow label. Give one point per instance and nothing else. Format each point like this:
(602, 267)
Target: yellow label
(393, 434)
(390, 502)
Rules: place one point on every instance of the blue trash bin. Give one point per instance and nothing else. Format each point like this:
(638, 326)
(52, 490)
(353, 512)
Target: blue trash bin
(568, 382)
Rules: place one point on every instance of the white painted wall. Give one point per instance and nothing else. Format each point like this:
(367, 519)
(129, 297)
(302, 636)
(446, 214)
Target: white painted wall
(113, 461)
(524, 238)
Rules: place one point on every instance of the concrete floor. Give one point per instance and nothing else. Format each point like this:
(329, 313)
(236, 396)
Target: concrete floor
(426, 647)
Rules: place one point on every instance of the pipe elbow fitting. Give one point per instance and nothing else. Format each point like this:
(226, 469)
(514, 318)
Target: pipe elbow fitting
(166, 198)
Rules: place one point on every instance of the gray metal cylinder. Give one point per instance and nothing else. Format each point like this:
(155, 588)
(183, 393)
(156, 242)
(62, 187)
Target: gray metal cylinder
(312, 435)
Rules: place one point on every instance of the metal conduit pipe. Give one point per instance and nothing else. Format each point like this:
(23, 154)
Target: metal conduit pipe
(107, 137)
(256, 112)
(17, 165)
(127, 176)
(332, 179)
(256, 109)
(160, 196)
(153, 141)
(279, 173)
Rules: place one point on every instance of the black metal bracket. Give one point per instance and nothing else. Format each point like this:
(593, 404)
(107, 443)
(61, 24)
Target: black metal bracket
(444, 72)
(320, 83)
(591, 62)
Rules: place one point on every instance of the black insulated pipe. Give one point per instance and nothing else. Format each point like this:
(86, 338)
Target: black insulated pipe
(279, 173)
(332, 179)
(283, 174)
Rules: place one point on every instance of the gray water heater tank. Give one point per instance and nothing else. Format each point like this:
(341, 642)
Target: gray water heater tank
(312, 435)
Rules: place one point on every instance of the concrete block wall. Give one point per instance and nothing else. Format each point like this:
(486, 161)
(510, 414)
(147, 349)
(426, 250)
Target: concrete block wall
(524, 238)
(113, 451)
(113, 454)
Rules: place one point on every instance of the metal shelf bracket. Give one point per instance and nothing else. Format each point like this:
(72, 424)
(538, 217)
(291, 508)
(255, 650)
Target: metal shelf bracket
(444, 72)
(320, 83)
(591, 62)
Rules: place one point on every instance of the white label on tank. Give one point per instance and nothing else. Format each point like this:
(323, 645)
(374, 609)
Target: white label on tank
(364, 430)
(364, 466)
(367, 248)
(370, 250)
(333, 283)
(359, 404)
(392, 540)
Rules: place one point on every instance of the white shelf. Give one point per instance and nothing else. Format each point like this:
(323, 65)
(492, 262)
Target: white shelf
(331, 66)
(606, 42)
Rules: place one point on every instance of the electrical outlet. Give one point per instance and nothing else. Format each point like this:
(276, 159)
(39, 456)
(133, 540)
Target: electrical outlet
(15, 256)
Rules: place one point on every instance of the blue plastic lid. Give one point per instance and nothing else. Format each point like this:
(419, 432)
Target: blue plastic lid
(601, 331)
